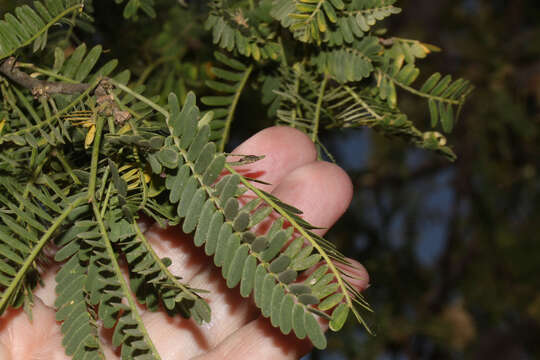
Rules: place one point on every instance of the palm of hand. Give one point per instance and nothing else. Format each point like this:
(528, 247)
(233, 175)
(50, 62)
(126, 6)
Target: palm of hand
(322, 190)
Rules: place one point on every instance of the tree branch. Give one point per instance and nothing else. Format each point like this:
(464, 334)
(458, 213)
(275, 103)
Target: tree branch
(38, 87)
(45, 88)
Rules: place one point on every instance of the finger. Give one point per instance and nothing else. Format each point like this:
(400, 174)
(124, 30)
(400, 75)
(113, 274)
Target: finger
(38, 338)
(258, 340)
(177, 338)
(323, 191)
(356, 274)
(284, 150)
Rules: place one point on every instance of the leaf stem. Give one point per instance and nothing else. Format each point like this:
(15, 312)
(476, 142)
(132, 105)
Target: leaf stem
(49, 121)
(230, 115)
(314, 13)
(317, 120)
(107, 198)
(44, 29)
(46, 72)
(282, 48)
(162, 266)
(120, 278)
(9, 292)
(95, 159)
(308, 237)
(66, 166)
(151, 68)
(363, 103)
(419, 93)
(71, 27)
(145, 100)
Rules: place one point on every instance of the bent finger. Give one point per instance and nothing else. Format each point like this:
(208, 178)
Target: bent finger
(259, 340)
(321, 190)
(285, 150)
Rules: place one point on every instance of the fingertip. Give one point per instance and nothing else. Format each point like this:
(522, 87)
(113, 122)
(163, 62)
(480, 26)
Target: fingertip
(279, 138)
(284, 149)
(259, 340)
(322, 190)
(356, 274)
(342, 182)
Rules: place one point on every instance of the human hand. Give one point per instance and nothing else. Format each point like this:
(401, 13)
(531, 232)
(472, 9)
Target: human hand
(237, 330)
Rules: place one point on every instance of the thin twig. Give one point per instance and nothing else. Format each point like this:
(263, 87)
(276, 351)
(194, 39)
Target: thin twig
(38, 87)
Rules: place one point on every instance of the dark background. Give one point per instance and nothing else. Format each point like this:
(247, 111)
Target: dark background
(453, 249)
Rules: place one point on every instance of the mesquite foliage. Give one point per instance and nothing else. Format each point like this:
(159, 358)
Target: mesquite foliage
(85, 152)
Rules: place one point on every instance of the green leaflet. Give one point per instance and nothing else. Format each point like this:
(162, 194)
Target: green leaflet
(231, 83)
(259, 244)
(287, 276)
(258, 286)
(22, 238)
(285, 318)
(298, 321)
(331, 301)
(194, 211)
(132, 7)
(204, 220)
(150, 276)
(443, 94)
(223, 237)
(237, 267)
(358, 19)
(49, 127)
(280, 264)
(112, 288)
(239, 32)
(231, 209)
(331, 21)
(313, 330)
(352, 63)
(81, 336)
(338, 317)
(241, 221)
(27, 26)
(212, 233)
(278, 293)
(268, 285)
(265, 266)
(248, 276)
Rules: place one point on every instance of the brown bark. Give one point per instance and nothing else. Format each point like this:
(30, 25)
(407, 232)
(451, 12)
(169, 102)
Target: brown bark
(38, 87)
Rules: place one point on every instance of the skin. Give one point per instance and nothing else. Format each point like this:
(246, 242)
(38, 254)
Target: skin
(237, 331)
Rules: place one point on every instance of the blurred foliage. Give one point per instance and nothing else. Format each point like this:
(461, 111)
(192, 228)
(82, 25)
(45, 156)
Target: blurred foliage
(452, 249)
